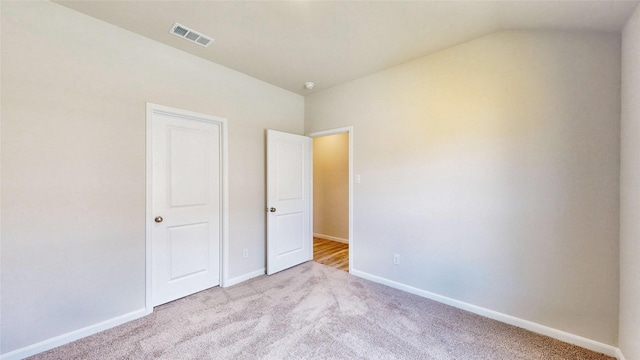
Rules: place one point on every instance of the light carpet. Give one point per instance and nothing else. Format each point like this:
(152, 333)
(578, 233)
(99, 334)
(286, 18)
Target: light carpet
(312, 311)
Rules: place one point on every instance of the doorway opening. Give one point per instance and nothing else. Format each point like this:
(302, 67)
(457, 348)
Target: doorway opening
(332, 198)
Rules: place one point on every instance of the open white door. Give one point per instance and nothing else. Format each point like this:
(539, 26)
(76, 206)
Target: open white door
(289, 232)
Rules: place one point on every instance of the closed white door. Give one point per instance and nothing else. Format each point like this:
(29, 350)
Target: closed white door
(289, 214)
(186, 204)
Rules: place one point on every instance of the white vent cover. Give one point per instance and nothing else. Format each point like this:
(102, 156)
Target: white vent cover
(188, 34)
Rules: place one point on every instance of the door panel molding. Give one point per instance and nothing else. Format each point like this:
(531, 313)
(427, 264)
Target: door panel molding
(159, 110)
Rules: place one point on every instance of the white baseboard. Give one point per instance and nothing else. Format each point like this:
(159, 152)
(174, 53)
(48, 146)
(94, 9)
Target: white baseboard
(508, 319)
(245, 277)
(619, 355)
(71, 336)
(332, 238)
(96, 328)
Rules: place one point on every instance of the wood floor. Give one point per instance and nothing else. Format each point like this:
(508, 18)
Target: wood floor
(331, 253)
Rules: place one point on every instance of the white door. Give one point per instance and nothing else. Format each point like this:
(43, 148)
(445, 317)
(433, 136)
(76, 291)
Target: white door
(289, 232)
(186, 204)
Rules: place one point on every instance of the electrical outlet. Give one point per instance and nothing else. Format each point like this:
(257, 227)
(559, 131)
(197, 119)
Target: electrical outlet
(245, 253)
(396, 259)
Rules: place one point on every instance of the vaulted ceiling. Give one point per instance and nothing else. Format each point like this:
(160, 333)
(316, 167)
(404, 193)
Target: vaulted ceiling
(287, 43)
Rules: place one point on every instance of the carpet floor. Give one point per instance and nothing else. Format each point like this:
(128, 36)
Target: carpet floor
(312, 311)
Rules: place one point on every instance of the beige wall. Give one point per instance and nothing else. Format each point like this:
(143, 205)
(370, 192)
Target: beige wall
(630, 192)
(492, 169)
(73, 163)
(331, 186)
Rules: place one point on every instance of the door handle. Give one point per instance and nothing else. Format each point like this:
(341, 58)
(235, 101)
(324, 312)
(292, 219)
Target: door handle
(272, 209)
(158, 219)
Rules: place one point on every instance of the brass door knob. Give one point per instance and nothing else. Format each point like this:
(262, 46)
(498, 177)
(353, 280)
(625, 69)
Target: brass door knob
(158, 219)
(272, 209)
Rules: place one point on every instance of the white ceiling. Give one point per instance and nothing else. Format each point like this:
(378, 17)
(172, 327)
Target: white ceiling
(287, 43)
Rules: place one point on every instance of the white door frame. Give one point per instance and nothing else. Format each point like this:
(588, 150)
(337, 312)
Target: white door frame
(342, 130)
(224, 218)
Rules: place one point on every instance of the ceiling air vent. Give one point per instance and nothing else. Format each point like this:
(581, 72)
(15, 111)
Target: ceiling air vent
(188, 34)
